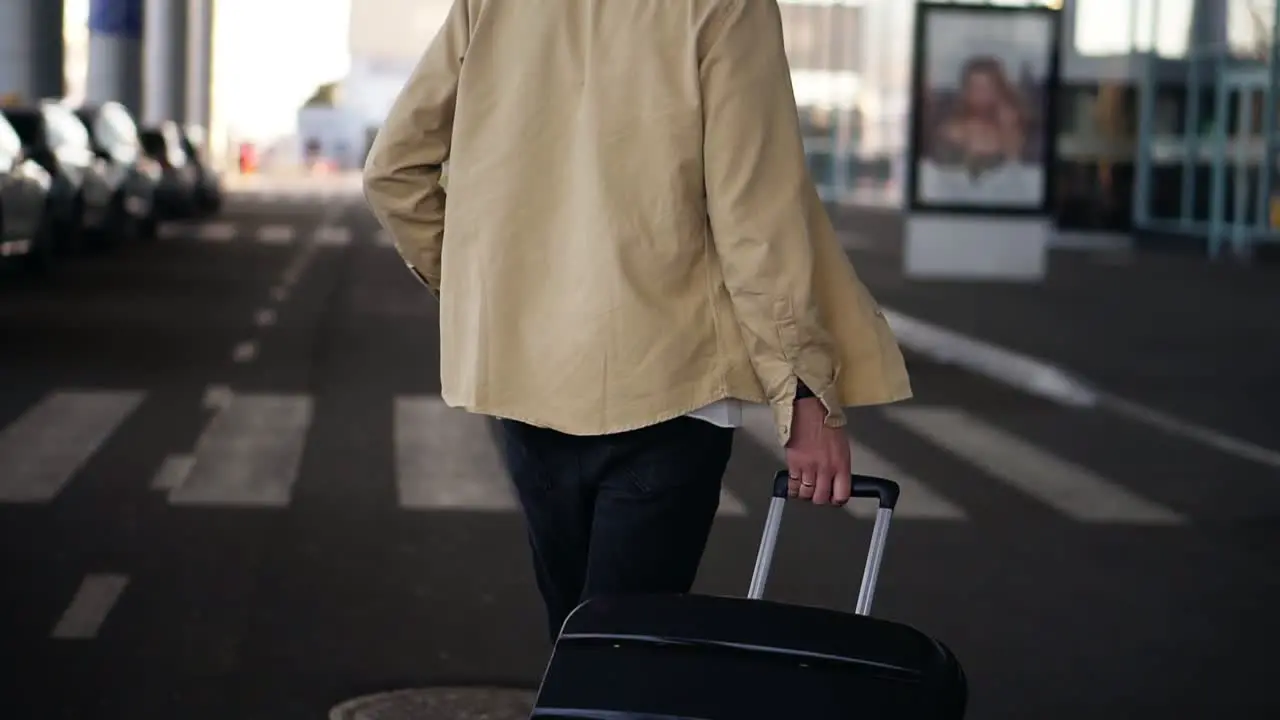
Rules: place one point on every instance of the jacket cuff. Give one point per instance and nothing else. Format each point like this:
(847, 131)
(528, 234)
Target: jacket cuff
(784, 412)
(830, 398)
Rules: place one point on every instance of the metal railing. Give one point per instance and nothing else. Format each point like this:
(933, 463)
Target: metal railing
(1216, 177)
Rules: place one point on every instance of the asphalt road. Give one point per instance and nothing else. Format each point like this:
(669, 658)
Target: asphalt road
(228, 489)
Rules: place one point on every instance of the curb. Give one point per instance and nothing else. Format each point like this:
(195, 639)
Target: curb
(1022, 372)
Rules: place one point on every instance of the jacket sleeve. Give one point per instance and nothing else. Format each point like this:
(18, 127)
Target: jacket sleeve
(759, 202)
(404, 169)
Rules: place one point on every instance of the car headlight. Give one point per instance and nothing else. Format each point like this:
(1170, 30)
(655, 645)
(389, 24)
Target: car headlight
(42, 177)
(150, 168)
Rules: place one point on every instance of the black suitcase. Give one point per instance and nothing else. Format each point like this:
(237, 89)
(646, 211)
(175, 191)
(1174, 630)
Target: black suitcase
(694, 657)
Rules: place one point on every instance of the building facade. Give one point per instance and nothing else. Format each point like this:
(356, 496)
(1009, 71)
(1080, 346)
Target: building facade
(385, 40)
(852, 63)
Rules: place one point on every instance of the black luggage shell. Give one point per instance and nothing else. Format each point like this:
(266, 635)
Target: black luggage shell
(695, 657)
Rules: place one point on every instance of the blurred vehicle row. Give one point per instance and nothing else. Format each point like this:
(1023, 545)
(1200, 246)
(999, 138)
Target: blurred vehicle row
(88, 178)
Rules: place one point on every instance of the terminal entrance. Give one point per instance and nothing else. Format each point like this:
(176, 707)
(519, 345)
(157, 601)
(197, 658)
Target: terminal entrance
(1206, 166)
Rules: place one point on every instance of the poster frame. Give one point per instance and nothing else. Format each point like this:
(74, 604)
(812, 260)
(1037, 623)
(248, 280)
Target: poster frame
(916, 129)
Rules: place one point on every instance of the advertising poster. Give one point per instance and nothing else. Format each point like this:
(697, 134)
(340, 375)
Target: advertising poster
(983, 108)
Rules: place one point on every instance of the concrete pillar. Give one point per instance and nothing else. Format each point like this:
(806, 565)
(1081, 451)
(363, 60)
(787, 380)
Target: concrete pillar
(31, 50)
(1208, 25)
(115, 53)
(164, 61)
(199, 63)
(50, 49)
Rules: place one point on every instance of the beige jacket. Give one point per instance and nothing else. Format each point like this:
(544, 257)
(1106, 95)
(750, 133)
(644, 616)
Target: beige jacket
(632, 232)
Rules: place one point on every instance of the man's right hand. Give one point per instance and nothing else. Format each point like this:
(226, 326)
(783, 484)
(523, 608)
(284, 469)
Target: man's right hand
(817, 456)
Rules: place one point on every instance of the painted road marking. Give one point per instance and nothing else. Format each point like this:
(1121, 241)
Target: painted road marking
(216, 232)
(333, 236)
(1222, 442)
(217, 397)
(917, 501)
(1028, 374)
(276, 234)
(1071, 489)
(245, 351)
(43, 449)
(1038, 377)
(172, 231)
(730, 505)
(90, 606)
(173, 472)
(249, 454)
(297, 266)
(445, 459)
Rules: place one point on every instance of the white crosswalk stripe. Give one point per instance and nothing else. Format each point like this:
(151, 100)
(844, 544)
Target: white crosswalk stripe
(917, 500)
(172, 231)
(445, 460)
(730, 505)
(216, 232)
(217, 397)
(268, 188)
(1072, 490)
(276, 234)
(173, 472)
(213, 231)
(42, 451)
(332, 236)
(264, 196)
(249, 454)
(93, 601)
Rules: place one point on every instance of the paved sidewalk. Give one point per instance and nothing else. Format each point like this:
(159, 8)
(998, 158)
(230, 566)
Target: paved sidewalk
(1177, 334)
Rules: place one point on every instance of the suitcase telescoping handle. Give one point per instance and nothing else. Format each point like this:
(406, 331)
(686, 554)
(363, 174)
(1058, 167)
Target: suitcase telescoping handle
(864, 486)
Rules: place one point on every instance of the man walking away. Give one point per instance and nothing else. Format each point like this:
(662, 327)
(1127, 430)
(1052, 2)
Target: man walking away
(634, 248)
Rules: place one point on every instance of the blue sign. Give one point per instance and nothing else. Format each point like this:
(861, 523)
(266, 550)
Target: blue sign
(119, 18)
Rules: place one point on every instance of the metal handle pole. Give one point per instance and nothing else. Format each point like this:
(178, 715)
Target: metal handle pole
(764, 557)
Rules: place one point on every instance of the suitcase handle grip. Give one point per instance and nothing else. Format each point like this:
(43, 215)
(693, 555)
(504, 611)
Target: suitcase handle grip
(864, 486)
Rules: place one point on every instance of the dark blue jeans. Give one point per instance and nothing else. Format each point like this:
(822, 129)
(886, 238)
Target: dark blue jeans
(616, 514)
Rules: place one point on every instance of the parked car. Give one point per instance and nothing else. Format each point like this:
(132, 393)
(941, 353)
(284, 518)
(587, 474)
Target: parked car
(53, 137)
(26, 234)
(177, 192)
(114, 137)
(209, 188)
